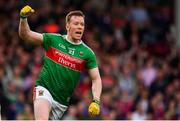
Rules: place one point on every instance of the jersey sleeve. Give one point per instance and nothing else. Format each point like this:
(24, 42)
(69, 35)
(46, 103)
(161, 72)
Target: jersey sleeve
(91, 62)
(46, 40)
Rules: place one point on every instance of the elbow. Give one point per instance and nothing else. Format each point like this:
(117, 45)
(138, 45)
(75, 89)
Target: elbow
(23, 34)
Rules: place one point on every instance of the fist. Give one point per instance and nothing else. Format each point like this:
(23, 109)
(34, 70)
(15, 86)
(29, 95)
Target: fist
(26, 11)
(94, 108)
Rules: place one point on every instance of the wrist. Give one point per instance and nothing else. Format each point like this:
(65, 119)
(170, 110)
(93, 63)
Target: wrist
(96, 101)
(23, 17)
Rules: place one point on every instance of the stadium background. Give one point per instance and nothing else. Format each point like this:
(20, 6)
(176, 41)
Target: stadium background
(136, 48)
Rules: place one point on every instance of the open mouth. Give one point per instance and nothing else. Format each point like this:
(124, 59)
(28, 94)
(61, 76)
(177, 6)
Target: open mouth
(79, 33)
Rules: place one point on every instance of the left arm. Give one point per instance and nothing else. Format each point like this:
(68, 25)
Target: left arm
(94, 107)
(96, 83)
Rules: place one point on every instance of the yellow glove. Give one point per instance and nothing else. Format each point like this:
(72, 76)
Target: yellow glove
(26, 11)
(94, 108)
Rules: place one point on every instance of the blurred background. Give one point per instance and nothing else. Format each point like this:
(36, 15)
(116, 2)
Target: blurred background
(138, 51)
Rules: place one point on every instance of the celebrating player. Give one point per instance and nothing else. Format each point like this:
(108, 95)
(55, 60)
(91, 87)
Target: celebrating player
(66, 56)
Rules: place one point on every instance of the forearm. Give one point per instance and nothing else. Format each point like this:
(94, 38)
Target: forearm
(94, 107)
(26, 34)
(96, 88)
(24, 29)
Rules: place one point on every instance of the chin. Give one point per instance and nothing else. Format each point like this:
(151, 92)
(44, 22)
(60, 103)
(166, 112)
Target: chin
(77, 38)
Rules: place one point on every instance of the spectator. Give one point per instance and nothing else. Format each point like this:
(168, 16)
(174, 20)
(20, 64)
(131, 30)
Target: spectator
(136, 50)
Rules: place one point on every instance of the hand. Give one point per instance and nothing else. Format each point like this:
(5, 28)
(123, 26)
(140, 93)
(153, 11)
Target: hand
(94, 108)
(26, 11)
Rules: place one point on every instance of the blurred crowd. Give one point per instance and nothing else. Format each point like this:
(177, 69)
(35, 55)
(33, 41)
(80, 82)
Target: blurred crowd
(136, 49)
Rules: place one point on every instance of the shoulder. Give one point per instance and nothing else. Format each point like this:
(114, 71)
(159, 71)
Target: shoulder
(52, 35)
(87, 48)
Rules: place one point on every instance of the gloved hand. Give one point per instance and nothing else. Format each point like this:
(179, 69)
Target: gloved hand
(94, 108)
(26, 11)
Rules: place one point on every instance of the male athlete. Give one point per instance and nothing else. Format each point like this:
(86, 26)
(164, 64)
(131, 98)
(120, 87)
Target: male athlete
(66, 56)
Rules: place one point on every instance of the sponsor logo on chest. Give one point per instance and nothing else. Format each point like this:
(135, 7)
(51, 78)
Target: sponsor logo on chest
(65, 59)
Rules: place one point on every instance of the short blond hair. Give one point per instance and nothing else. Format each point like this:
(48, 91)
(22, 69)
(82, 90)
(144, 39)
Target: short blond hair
(74, 13)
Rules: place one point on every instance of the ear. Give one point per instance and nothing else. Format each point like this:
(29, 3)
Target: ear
(67, 26)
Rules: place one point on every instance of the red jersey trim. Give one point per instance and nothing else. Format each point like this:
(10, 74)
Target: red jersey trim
(65, 60)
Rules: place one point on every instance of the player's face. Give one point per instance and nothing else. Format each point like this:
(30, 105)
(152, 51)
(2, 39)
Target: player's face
(75, 27)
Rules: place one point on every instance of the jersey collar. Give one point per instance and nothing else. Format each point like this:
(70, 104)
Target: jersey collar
(73, 42)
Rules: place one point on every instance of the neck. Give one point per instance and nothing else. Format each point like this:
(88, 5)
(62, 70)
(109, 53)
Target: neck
(72, 40)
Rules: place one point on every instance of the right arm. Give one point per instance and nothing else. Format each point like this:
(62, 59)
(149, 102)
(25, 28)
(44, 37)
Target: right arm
(26, 33)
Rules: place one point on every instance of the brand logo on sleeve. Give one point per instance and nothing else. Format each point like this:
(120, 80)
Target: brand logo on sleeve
(68, 99)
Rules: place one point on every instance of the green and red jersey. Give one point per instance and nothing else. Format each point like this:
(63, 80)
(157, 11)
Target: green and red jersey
(63, 63)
